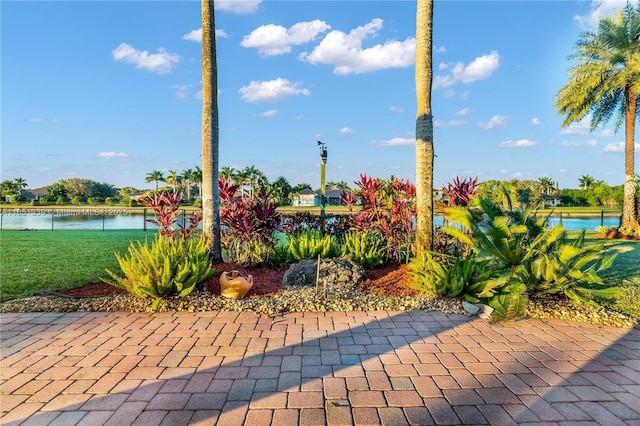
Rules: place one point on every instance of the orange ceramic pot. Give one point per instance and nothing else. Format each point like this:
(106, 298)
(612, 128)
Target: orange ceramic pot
(234, 285)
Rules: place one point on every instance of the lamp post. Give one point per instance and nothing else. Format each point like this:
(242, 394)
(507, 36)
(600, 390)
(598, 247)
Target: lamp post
(323, 166)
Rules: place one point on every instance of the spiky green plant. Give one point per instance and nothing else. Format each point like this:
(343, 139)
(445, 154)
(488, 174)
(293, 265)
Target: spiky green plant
(364, 248)
(167, 267)
(311, 244)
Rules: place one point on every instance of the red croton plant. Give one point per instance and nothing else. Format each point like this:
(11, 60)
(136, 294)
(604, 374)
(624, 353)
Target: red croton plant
(165, 206)
(388, 210)
(249, 224)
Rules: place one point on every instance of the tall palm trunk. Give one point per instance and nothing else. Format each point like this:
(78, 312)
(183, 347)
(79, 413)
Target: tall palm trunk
(629, 204)
(210, 133)
(424, 126)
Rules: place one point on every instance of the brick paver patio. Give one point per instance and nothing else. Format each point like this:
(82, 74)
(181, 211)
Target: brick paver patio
(364, 368)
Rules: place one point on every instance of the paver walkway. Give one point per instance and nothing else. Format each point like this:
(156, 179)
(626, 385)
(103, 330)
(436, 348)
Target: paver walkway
(390, 368)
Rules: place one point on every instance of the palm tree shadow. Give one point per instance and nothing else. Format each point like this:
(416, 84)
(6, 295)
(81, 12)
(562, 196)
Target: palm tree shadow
(333, 368)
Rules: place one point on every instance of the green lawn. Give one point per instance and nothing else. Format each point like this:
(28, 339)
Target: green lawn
(32, 261)
(625, 272)
(52, 260)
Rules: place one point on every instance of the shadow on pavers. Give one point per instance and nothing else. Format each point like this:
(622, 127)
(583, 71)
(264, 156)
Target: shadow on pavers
(314, 368)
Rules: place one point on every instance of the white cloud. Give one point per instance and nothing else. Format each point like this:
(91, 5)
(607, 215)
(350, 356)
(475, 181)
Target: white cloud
(270, 113)
(196, 35)
(396, 109)
(271, 40)
(298, 117)
(238, 6)
(563, 170)
(199, 94)
(43, 121)
(617, 147)
(345, 51)
(395, 142)
(346, 130)
(599, 10)
(495, 121)
(607, 133)
(450, 123)
(181, 90)
(591, 142)
(113, 155)
(162, 62)
(522, 143)
(479, 69)
(579, 128)
(535, 121)
(463, 112)
(440, 49)
(271, 91)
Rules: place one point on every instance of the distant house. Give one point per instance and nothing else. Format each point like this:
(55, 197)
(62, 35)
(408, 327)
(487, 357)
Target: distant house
(33, 194)
(550, 201)
(439, 196)
(306, 198)
(309, 198)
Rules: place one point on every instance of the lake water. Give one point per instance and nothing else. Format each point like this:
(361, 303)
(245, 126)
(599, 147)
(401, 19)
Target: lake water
(115, 218)
(60, 219)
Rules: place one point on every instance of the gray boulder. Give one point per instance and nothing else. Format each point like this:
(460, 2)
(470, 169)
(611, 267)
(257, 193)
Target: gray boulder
(340, 271)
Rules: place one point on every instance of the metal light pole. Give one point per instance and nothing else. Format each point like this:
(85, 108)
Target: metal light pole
(323, 166)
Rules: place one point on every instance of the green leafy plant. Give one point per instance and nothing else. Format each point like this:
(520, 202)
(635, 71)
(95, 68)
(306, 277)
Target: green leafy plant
(168, 267)
(365, 249)
(311, 244)
(533, 256)
(451, 276)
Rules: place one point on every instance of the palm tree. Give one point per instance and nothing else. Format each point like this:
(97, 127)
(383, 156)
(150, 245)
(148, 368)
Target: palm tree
(424, 126)
(187, 179)
(547, 184)
(20, 183)
(253, 176)
(604, 81)
(228, 172)
(586, 181)
(8, 187)
(197, 179)
(282, 187)
(154, 176)
(173, 179)
(210, 133)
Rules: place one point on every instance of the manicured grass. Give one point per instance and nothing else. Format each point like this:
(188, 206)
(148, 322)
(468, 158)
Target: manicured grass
(33, 261)
(625, 273)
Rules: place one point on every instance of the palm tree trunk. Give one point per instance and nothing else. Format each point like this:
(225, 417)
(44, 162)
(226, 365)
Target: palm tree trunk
(629, 213)
(210, 133)
(424, 126)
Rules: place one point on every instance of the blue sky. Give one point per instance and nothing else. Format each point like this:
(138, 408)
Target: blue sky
(110, 91)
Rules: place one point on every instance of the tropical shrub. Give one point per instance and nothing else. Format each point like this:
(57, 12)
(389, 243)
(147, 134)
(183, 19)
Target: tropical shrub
(17, 198)
(363, 248)
(175, 262)
(311, 244)
(461, 192)
(78, 199)
(169, 267)
(527, 252)
(387, 211)
(249, 225)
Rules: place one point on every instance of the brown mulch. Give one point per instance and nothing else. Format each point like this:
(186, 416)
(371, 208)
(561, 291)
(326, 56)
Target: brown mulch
(387, 280)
